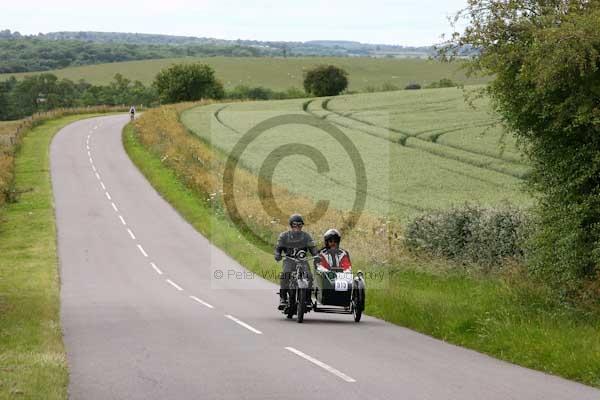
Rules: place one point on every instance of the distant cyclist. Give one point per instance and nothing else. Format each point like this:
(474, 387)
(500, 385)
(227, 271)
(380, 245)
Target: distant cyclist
(132, 112)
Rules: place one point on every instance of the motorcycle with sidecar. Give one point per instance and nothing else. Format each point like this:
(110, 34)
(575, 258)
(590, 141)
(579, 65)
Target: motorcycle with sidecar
(336, 291)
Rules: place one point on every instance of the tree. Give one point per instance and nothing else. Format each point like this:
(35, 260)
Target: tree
(6, 107)
(325, 80)
(442, 83)
(35, 93)
(545, 59)
(141, 94)
(187, 82)
(412, 86)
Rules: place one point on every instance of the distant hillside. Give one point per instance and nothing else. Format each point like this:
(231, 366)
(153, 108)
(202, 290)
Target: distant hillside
(57, 50)
(41, 53)
(310, 48)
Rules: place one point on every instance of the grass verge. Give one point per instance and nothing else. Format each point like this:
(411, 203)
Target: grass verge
(32, 357)
(508, 319)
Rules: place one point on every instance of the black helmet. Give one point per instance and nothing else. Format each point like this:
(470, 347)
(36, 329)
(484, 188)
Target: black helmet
(296, 218)
(332, 234)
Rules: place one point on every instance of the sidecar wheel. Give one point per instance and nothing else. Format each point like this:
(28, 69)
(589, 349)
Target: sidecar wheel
(358, 304)
(356, 312)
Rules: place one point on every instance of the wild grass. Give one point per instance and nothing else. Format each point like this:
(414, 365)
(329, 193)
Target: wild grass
(32, 356)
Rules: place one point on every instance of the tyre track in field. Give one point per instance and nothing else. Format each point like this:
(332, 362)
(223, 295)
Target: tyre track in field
(434, 138)
(404, 142)
(217, 115)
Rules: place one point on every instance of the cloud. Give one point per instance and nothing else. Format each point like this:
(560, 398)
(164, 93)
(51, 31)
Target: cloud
(382, 21)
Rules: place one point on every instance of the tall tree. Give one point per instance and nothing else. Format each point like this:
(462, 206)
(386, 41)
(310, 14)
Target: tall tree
(544, 56)
(187, 82)
(325, 80)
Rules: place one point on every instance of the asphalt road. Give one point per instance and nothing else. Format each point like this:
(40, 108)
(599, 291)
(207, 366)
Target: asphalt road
(144, 319)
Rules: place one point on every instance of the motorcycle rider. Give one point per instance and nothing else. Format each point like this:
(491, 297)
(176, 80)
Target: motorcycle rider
(331, 256)
(132, 112)
(294, 243)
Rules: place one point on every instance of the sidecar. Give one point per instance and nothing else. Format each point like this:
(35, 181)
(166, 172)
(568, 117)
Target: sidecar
(341, 292)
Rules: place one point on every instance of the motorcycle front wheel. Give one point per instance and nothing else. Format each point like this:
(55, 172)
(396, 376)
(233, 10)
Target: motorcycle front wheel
(292, 306)
(301, 304)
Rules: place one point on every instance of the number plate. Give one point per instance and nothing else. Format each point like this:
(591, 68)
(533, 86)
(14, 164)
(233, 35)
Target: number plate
(341, 285)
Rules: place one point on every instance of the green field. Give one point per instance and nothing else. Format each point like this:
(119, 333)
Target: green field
(278, 73)
(422, 150)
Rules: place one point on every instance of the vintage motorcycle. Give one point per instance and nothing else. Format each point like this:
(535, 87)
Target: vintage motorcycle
(299, 302)
(336, 291)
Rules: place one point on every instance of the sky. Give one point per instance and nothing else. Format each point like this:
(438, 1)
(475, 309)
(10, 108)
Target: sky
(403, 22)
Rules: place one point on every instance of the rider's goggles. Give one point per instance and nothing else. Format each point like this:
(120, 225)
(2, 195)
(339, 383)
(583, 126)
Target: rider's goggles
(297, 224)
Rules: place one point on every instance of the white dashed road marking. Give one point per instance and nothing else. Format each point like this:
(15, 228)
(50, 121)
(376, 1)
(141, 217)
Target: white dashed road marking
(142, 250)
(176, 286)
(242, 323)
(158, 271)
(201, 302)
(321, 364)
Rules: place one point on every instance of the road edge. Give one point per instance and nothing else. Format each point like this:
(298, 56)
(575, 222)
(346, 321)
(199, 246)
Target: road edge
(33, 360)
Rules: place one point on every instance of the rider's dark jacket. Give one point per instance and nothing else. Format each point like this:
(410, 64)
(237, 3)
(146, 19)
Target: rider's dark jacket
(295, 244)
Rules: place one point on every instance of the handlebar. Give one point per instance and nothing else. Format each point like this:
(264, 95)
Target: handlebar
(300, 259)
